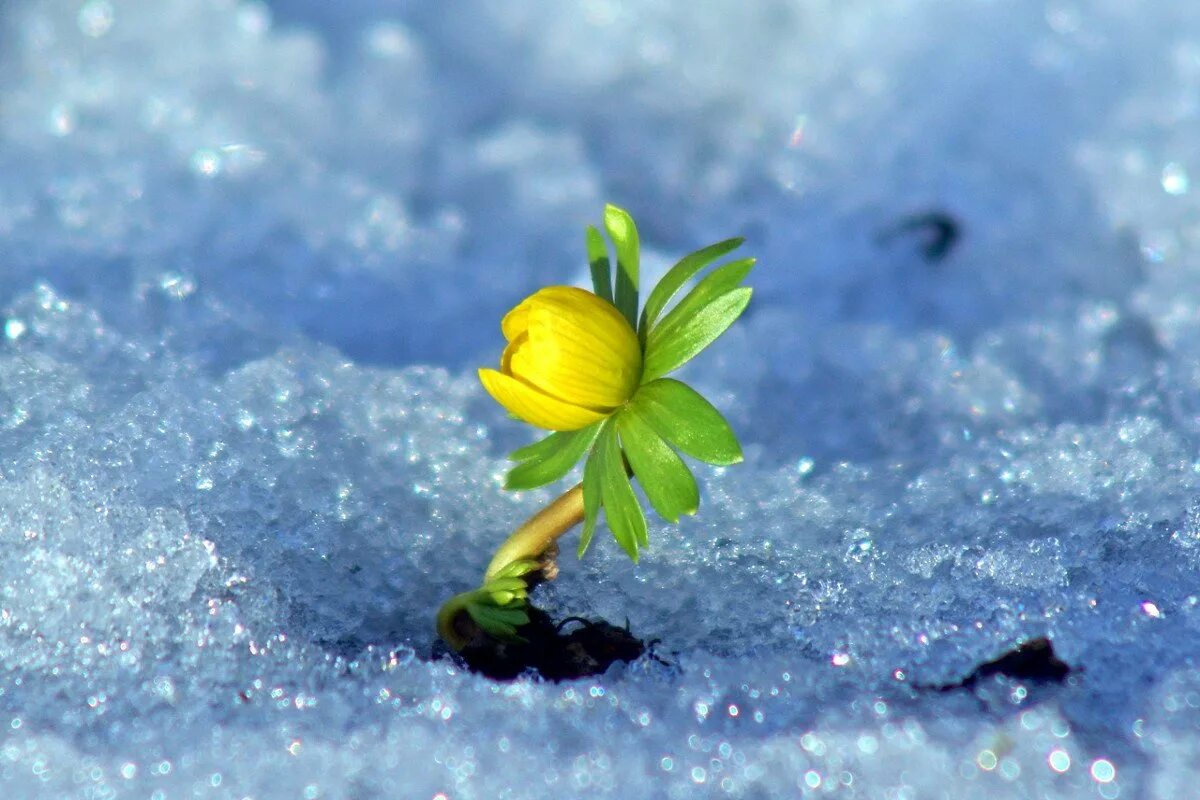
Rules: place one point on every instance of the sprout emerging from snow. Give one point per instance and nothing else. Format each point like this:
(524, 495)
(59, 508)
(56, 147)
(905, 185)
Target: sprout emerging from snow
(587, 367)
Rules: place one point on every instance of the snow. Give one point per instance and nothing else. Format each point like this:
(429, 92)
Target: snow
(252, 254)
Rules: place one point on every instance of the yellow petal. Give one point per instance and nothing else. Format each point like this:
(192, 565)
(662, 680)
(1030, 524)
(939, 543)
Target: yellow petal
(516, 321)
(536, 408)
(580, 349)
(519, 341)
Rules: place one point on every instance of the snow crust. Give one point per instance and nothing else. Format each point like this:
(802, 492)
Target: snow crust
(251, 254)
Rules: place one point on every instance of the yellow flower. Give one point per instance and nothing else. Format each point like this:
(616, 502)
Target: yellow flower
(571, 360)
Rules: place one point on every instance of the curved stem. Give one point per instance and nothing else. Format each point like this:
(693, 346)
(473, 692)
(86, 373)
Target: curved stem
(447, 621)
(528, 541)
(539, 531)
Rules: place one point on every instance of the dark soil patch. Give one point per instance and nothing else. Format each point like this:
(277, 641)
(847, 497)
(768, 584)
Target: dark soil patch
(1033, 661)
(937, 232)
(572, 648)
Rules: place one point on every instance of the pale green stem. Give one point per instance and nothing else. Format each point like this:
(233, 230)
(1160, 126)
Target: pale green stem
(530, 541)
(539, 531)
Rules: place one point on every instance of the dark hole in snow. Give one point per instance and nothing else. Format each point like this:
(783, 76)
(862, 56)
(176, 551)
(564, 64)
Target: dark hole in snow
(937, 231)
(573, 648)
(1032, 661)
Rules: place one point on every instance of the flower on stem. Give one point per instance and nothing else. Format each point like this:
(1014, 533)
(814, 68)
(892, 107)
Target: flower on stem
(571, 360)
(592, 370)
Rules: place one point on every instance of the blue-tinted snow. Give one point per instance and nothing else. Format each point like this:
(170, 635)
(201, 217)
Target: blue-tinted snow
(251, 254)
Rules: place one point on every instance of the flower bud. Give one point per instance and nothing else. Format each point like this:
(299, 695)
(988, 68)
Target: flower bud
(571, 359)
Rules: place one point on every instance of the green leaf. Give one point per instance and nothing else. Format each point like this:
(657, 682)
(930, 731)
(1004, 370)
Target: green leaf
(592, 499)
(597, 254)
(621, 507)
(665, 479)
(698, 319)
(515, 569)
(540, 449)
(553, 459)
(677, 276)
(505, 585)
(685, 419)
(624, 234)
(672, 350)
(503, 591)
(716, 283)
(502, 623)
(514, 615)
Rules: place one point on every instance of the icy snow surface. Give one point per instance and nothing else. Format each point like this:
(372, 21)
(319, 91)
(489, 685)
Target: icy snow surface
(251, 254)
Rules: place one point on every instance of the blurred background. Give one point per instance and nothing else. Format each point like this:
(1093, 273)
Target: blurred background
(420, 169)
(251, 253)
(389, 177)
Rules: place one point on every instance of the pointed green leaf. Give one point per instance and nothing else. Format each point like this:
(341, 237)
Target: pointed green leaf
(501, 623)
(487, 613)
(672, 350)
(624, 234)
(513, 616)
(503, 591)
(515, 569)
(597, 254)
(555, 461)
(505, 585)
(718, 282)
(592, 499)
(539, 449)
(698, 319)
(621, 507)
(665, 479)
(497, 629)
(677, 276)
(686, 420)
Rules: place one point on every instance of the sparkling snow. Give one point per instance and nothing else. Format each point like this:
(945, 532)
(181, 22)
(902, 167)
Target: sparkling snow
(252, 253)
